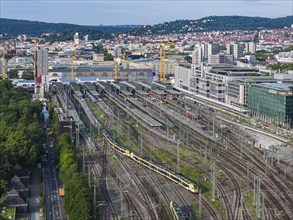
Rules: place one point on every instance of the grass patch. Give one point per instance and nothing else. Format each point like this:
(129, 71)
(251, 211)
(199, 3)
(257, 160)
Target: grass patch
(123, 140)
(98, 112)
(217, 204)
(248, 201)
(195, 207)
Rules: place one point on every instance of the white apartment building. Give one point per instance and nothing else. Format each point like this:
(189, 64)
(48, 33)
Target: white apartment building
(285, 57)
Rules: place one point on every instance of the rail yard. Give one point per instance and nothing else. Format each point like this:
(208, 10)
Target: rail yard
(154, 152)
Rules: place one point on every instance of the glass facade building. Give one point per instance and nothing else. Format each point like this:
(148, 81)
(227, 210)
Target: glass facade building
(273, 101)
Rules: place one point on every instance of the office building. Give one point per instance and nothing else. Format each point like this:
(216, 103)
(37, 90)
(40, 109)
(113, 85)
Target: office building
(229, 49)
(191, 79)
(250, 47)
(238, 49)
(272, 102)
(204, 50)
(237, 94)
(197, 55)
(213, 49)
(220, 58)
(42, 61)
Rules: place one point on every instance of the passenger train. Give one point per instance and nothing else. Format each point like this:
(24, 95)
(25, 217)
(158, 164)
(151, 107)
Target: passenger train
(162, 171)
(160, 97)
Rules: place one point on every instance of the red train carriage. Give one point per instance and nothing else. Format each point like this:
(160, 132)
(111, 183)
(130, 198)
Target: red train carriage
(160, 97)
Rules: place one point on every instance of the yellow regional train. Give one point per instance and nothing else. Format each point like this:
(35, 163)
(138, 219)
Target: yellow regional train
(162, 171)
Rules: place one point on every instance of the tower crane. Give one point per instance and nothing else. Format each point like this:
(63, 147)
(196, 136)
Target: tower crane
(73, 64)
(115, 70)
(163, 65)
(161, 62)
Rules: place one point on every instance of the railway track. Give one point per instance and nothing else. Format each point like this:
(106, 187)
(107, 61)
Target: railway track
(260, 169)
(145, 197)
(109, 211)
(226, 202)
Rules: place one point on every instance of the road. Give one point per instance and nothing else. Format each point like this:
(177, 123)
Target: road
(54, 204)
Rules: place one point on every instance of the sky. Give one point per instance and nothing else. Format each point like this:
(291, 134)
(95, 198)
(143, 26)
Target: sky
(97, 12)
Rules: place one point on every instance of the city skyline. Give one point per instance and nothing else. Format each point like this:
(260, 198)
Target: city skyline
(143, 12)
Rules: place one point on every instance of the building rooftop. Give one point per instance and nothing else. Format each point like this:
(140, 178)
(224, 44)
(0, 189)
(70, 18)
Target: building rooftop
(281, 87)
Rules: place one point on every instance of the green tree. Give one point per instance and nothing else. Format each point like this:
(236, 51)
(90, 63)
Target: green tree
(28, 74)
(20, 132)
(12, 74)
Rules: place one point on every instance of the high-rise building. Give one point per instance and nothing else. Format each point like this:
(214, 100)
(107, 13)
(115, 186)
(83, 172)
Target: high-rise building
(76, 38)
(250, 47)
(229, 48)
(220, 58)
(197, 55)
(238, 49)
(204, 49)
(42, 61)
(213, 49)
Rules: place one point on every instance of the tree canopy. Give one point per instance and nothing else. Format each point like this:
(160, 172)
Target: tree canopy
(220, 23)
(77, 194)
(21, 137)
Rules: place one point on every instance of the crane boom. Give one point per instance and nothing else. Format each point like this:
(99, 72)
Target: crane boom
(73, 64)
(161, 62)
(115, 70)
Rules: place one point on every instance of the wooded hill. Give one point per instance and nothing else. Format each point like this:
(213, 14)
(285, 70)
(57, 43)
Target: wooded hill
(220, 23)
(16, 27)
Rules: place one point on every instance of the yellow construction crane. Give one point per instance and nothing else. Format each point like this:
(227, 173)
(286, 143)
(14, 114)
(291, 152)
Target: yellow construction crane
(163, 68)
(73, 64)
(115, 71)
(163, 65)
(3, 63)
(161, 62)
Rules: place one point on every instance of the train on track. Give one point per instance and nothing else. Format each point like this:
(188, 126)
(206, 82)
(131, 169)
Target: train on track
(176, 211)
(191, 115)
(157, 96)
(160, 170)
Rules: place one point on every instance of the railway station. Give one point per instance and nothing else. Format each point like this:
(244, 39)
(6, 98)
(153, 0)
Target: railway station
(91, 88)
(120, 88)
(75, 88)
(102, 87)
(135, 88)
(150, 118)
